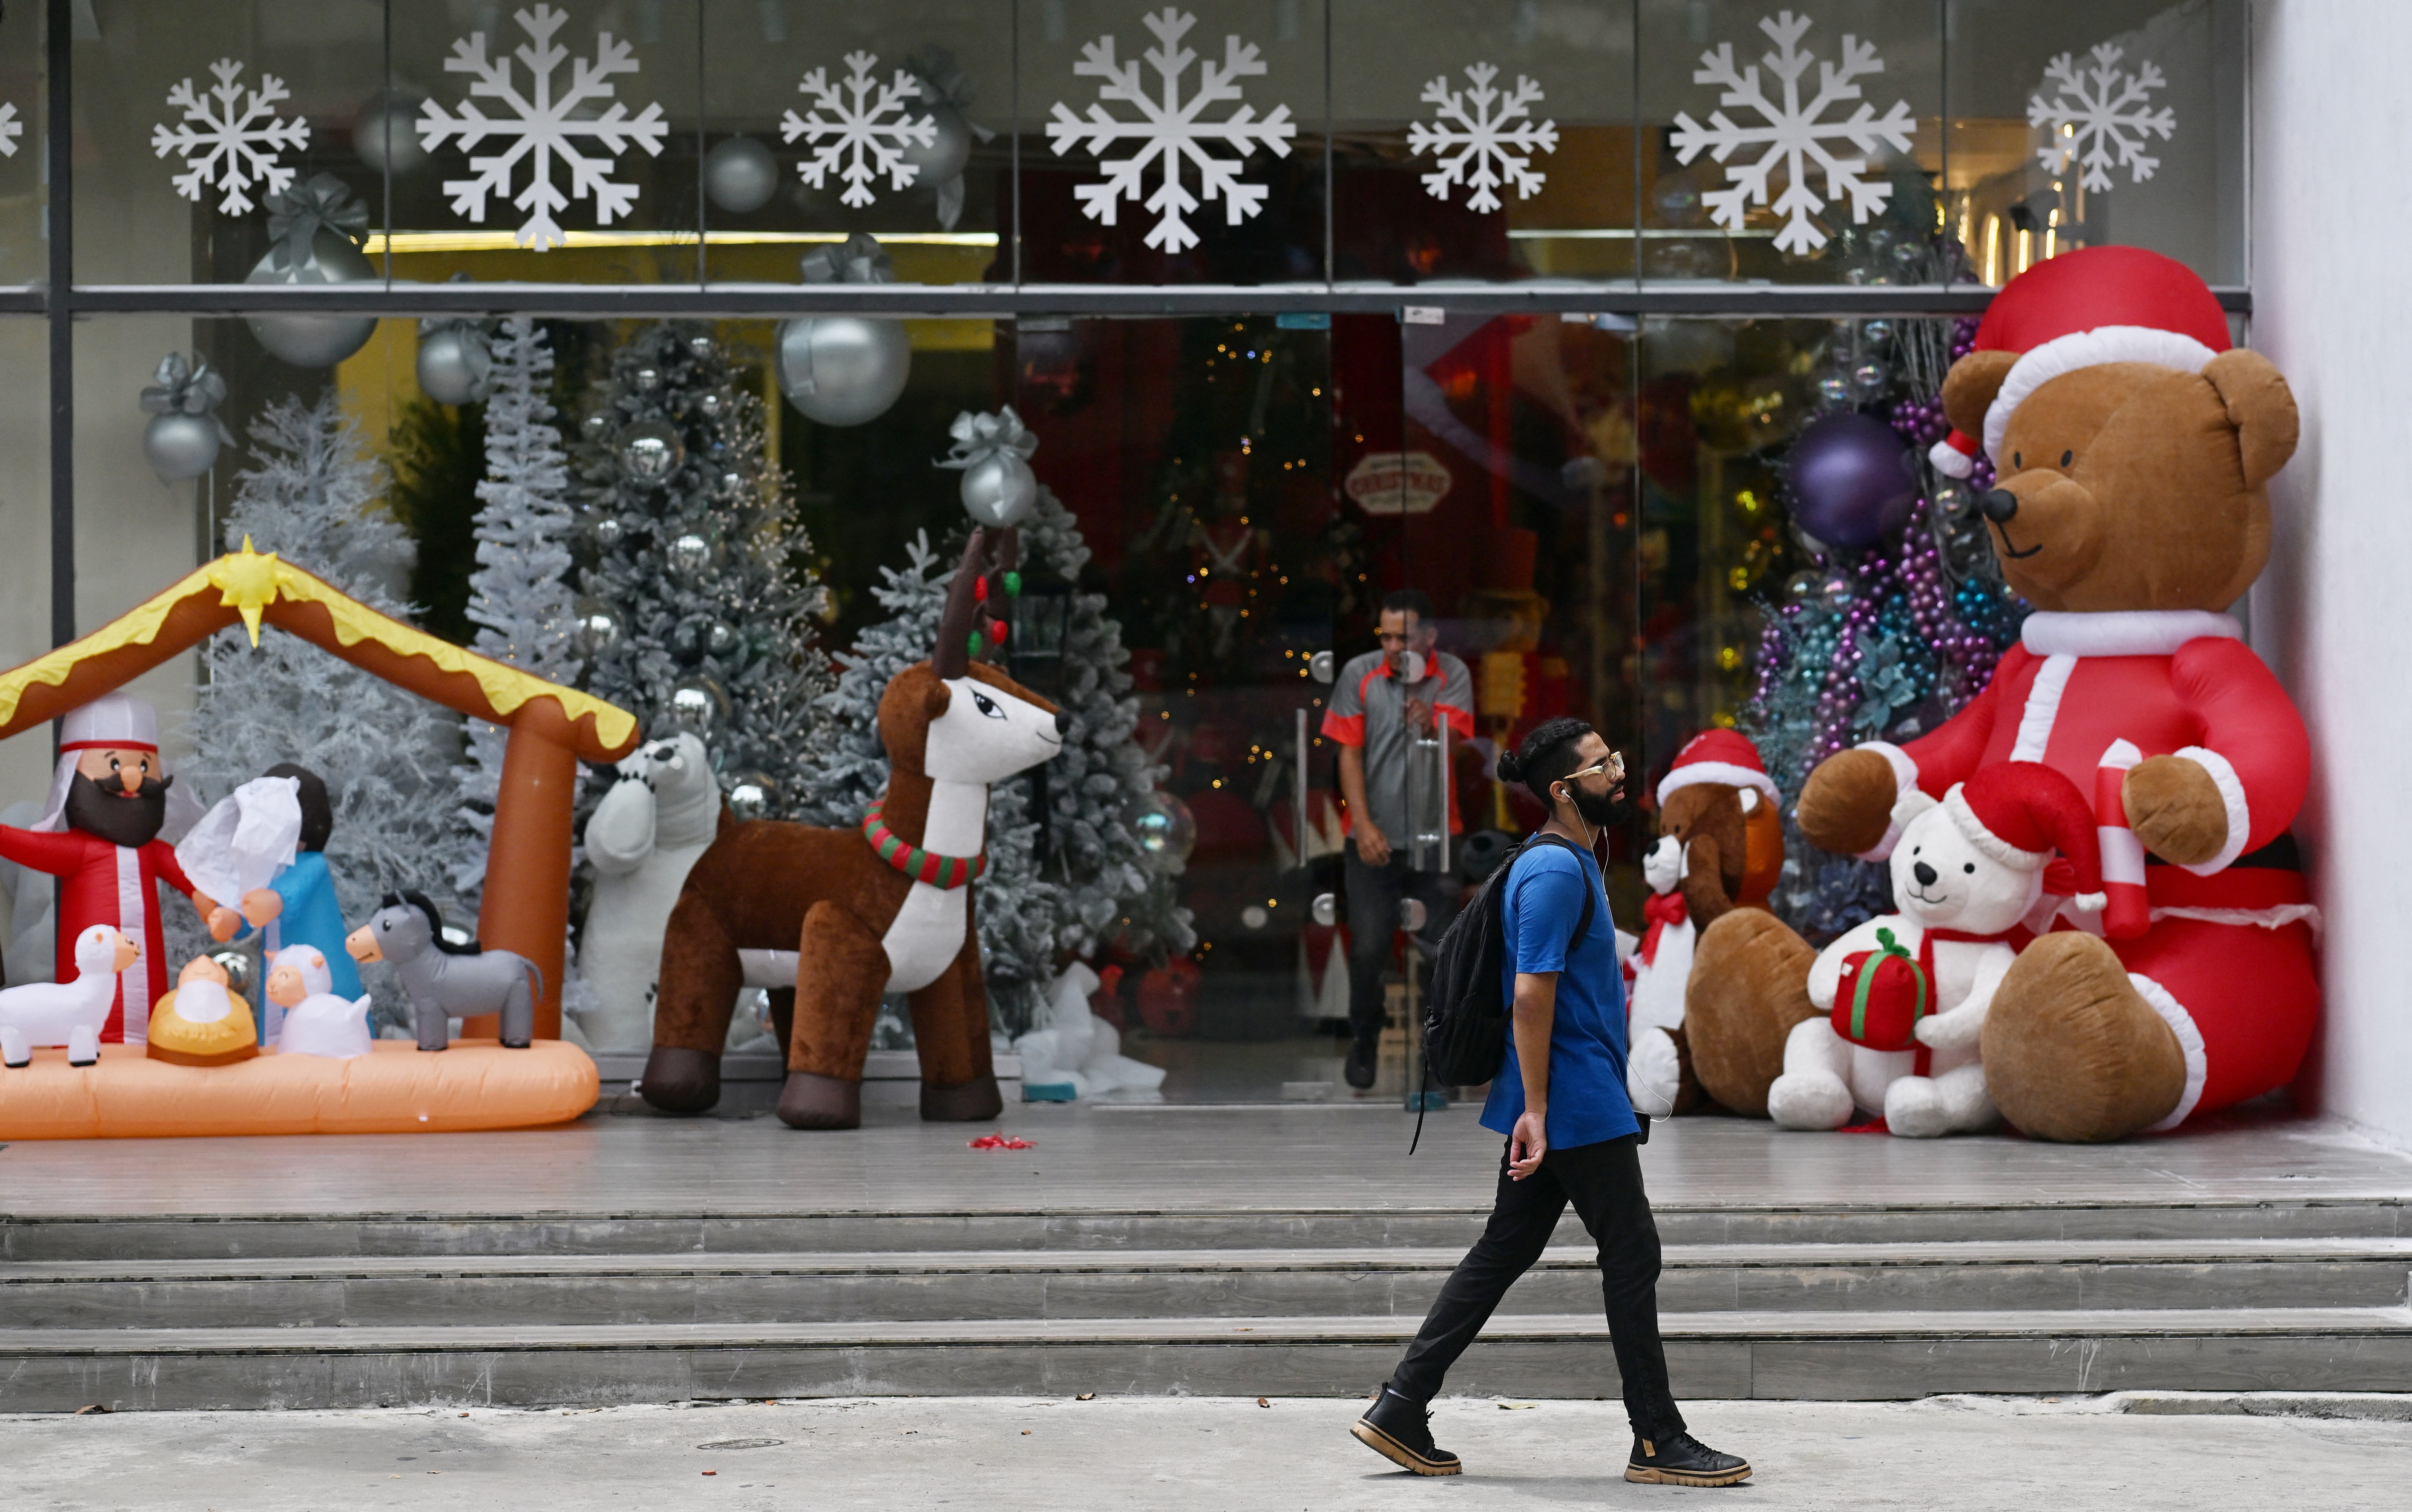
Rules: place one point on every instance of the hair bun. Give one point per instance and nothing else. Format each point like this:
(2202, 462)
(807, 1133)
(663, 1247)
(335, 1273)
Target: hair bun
(1511, 770)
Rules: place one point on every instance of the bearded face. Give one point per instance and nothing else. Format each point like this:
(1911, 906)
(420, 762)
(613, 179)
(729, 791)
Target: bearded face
(114, 815)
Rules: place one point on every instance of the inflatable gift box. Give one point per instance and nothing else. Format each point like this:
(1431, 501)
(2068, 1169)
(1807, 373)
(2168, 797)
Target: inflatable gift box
(1881, 997)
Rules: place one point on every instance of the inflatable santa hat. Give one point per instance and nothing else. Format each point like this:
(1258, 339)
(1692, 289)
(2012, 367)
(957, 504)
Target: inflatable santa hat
(2095, 305)
(113, 722)
(2020, 813)
(1721, 757)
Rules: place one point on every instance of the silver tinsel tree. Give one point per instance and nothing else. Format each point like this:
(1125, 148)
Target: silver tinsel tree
(699, 609)
(386, 755)
(518, 595)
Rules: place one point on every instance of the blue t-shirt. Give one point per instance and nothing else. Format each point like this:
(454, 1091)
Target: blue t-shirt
(1587, 1098)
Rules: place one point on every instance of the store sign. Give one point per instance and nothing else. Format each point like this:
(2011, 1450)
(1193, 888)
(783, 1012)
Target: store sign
(1398, 482)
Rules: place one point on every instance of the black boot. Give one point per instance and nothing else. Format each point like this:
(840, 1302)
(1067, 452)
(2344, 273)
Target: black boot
(1358, 1068)
(1399, 1430)
(1681, 1459)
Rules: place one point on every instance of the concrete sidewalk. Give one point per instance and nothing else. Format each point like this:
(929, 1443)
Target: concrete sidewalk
(1207, 1455)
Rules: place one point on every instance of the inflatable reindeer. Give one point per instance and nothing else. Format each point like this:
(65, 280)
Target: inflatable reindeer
(883, 907)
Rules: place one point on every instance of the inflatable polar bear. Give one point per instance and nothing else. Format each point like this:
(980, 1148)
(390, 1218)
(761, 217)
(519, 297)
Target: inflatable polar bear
(642, 839)
(1968, 876)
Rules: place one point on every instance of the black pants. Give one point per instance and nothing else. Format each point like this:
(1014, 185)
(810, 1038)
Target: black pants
(1604, 1182)
(1373, 895)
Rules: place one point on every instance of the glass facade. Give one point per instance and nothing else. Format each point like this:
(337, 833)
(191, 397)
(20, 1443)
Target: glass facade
(1519, 302)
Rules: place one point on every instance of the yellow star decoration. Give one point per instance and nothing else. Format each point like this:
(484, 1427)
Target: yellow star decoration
(248, 583)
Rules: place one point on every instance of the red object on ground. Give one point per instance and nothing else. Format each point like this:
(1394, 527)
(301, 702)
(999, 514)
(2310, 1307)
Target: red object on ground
(996, 1141)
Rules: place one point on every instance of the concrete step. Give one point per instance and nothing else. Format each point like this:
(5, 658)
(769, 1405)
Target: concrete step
(36, 1238)
(572, 1290)
(1821, 1354)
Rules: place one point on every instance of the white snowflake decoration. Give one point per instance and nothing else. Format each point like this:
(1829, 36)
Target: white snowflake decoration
(1494, 132)
(1169, 131)
(10, 130)
(2089, 124)
(542, 126)
(869, 131)
(1794, 134)
(227, 139)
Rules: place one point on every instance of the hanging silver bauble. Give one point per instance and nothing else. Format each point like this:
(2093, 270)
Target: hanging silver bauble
(594, 628)
(1000, 490)
(385, 131)
(313, 341)
(710, 404)
(689, 555)
(699, 705)
(596, 426)
(701, 346)
(721, 641)
(237, 965)
(753, 794)
(733, 484)
(950, 150)
(649, 451)
(740, 175)
(646, 379)
(607, 532)
(456, 363)
(180, 446)
(1167, 831)
(844, 369)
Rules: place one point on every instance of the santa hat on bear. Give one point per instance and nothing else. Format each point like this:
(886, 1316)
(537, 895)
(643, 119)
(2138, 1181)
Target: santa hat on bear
(1722, 756)
(2019, 813)
(2095, 305)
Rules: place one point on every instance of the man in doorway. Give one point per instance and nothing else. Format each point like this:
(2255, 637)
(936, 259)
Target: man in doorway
(1571, 1132)
(1383, 701)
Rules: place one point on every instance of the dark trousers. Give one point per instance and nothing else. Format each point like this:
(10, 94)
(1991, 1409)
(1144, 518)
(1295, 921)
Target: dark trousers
(1604, 1182)
(1373, 896)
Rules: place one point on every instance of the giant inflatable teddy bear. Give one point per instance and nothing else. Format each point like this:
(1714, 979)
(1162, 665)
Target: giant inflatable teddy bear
(2133, 447)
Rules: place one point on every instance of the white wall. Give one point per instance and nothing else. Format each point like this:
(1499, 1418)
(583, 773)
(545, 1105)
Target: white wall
(2331, 134)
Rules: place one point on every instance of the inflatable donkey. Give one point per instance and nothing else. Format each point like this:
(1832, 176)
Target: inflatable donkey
(877, 908)
(445, 980)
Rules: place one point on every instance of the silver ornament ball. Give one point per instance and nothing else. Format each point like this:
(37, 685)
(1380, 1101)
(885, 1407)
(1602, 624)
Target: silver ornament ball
(949, 149)
(646, 379)
(649, 451)
(594, 628)
(385, 131)
(313, 341)
(179, 446)
(1167, 831)
(699, 705)
(595, 426)
(1000, 490)
(844, 370)
(607, 532)
(688, 554)
(237, 965)
(701, 346)
(740, 175)
(455, 365)
(721, 641)
(753, 794)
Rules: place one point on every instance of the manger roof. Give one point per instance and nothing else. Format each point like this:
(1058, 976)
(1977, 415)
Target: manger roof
(258, 589)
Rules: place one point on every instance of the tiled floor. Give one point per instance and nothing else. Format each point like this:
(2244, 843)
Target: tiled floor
(1334, 1156)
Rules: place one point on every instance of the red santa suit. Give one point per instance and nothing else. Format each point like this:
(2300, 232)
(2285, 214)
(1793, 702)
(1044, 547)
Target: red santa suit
(100, 883)
(2228, 960)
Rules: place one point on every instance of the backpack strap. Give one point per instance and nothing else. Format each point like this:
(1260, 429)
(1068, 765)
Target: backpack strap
(1582, 921)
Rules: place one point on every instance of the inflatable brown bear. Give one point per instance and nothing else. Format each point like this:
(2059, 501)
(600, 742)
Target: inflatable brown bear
(2132, 446)
(1720, 847)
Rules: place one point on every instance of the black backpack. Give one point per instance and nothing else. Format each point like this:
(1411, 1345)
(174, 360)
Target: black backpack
(1465, 1020)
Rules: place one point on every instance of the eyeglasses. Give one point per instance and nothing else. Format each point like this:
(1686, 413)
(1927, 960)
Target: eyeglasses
(1613, 765)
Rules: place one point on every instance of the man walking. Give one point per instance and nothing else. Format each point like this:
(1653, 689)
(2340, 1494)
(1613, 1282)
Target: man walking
(1571, 1133)
(1383, 701)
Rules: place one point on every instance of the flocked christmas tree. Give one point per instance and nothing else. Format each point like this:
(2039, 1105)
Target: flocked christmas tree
(313, 499)
(1885, 642)
(1106, 890)
(698, 609)
(518, 595)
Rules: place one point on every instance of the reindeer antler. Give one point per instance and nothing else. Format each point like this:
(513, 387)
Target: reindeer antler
(970, 624)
